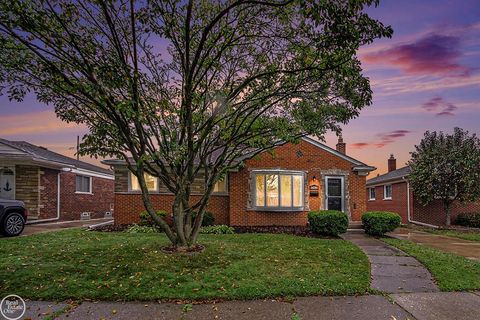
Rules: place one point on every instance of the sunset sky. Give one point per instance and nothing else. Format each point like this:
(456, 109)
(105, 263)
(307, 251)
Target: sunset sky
(427, 77)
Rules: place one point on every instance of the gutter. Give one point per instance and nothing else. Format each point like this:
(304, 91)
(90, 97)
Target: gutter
(58, 206)
(408, 209)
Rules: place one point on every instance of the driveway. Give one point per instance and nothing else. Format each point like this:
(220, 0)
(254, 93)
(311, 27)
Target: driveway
(465, 248)
(55, 226)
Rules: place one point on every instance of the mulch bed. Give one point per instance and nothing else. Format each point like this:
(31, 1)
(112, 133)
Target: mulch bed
(111, 228)
(302, 231)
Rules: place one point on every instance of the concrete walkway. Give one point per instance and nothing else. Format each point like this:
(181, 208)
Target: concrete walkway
(412, 306)
(465, 248)
(392, 271)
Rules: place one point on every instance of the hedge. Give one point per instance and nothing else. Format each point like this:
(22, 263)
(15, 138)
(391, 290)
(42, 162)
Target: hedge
(146, 219)
(377, 223)
(328, 222)
(219, 229)
(471, 220)
(208, 219)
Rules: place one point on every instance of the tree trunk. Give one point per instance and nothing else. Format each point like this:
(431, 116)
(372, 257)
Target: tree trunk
(447, 213)
(179, 219)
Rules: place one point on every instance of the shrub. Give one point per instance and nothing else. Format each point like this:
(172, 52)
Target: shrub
(218, 229)
(378, 223)
(208, 219)
(146, 219)
(135, 228)
(328, 222)
(471, 220)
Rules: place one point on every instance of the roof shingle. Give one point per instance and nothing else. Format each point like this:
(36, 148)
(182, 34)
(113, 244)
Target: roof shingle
(390, 176)
(45, 154)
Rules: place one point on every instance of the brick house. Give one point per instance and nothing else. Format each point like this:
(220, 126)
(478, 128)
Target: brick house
(274, 188)
(392, 192)
(53, 186)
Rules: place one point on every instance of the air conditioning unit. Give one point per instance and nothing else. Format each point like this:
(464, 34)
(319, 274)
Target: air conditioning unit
(85, 216)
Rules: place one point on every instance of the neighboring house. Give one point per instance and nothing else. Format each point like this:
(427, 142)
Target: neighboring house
(392, 192)
(273, 188)
(53, 186)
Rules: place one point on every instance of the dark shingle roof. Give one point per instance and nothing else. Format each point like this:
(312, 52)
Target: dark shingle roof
(45, 154)
(390, 176)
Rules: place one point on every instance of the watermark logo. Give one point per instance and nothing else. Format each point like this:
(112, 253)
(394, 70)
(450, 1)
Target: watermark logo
(12, 307)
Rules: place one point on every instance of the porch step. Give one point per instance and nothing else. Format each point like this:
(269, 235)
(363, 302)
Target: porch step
(355, 225)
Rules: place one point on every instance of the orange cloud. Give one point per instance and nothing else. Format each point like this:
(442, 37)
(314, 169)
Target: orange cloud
(35, 123)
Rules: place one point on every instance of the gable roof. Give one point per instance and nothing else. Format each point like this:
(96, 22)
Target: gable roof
(390, 176)
(358, 165)
(40, 153)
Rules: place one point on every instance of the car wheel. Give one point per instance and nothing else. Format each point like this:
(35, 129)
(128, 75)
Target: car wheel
(13, 224)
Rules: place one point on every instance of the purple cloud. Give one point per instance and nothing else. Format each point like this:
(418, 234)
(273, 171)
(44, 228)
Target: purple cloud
(383, 139)
(440, 106)
(433, 54)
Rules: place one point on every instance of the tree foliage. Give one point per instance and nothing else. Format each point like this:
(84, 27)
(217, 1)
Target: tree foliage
(447, 168)
(177, 88)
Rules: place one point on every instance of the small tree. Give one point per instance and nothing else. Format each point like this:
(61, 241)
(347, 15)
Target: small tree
(446, 168)
(178, 88)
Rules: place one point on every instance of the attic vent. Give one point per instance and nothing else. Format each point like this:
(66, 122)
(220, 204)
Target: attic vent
(85, 216)
(299, 154)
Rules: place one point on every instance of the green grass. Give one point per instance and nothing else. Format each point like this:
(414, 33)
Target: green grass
(77, 264)
(451, 272)
(469, 235)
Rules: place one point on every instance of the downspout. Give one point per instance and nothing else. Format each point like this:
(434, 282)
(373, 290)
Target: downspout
(58, 206)
(408, 209)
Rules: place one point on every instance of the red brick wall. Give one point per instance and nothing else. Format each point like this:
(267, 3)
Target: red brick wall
(232, 209)
(129, 206)
(73, 204)
(48, 193)
(434, 213)
(398, 204)
(313, 160)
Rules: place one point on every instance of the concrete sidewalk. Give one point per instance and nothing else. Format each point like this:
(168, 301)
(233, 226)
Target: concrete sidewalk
(392, 270)
(461, 247)
(413, 306)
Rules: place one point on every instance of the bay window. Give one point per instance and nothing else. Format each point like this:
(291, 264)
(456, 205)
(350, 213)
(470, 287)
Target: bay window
(278, 190)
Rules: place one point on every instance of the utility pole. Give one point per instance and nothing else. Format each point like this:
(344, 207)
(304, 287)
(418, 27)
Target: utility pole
(78, 147)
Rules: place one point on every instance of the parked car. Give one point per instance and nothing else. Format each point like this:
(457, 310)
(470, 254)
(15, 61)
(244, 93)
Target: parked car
(13, 215)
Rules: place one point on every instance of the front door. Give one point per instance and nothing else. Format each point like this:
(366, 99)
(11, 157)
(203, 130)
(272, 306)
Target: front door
(7, 183)
(334, 193)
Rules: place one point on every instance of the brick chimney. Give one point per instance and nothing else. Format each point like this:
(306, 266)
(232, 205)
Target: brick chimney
(392, 163)
(341, 146)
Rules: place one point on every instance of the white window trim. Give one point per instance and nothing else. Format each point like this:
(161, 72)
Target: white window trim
(370, 194)
(343, 190)
(385, 192)
(277, 208)
(90, 184)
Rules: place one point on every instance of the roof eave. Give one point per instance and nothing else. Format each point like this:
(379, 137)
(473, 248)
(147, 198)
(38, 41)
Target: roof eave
(381, 182)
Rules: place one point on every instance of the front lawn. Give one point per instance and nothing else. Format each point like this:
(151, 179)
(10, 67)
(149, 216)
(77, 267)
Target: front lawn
(451, 272)
(81, 264)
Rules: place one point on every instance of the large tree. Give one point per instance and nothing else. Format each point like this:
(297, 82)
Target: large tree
(181, 87)
(446, 168)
